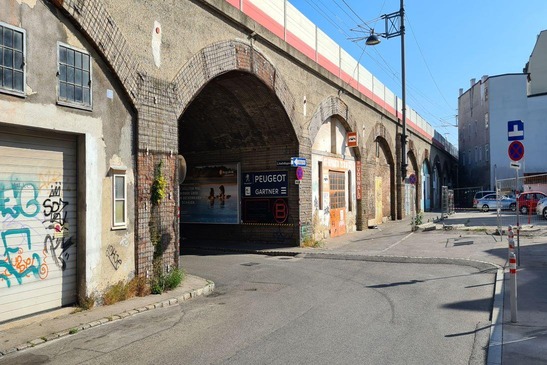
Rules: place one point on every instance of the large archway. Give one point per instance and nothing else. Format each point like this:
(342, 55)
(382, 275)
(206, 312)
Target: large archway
(336, 171)
(426, 186)
(379, 176)
(237, 140)
(412, 193)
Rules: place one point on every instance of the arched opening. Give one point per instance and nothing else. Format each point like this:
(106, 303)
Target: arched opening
(382, 175)
(437, 183)
(413, 180)
(237, 140)
(334, 181)
(426, 187)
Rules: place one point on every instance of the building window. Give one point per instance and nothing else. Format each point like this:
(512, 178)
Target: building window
(75, 77)
(337, 190)
(119, 201)
(486, 120)
(487, 152)
(12, 59)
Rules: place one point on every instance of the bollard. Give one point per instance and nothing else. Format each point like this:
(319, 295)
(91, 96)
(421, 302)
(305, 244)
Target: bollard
(513, 286)
(511, 241)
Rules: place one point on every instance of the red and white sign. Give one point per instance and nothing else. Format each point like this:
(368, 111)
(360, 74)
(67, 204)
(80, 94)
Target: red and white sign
(358, 179)
(299, 173)
(352, 139)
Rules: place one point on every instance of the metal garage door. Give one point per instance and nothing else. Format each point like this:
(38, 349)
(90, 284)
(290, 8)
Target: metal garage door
(37, 222)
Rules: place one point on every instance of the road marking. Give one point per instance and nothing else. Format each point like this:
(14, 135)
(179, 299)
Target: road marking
(396, 243)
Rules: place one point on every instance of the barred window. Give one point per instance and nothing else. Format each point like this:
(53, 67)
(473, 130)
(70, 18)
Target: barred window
(74, 77)
(12, 59)
(337, 185)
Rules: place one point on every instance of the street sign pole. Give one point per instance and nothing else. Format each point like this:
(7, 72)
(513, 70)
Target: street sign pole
(518, 222)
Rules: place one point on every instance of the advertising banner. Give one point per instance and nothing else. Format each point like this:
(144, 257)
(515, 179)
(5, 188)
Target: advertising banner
(210, 194)
(264, 196)
(265, 184)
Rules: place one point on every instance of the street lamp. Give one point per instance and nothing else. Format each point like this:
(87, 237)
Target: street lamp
(395, 26)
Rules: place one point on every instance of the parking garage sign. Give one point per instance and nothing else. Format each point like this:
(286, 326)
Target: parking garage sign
(515, 130)
(265, 184)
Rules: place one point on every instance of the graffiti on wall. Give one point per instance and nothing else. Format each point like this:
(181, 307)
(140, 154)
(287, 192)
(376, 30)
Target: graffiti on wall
(33, 228)
(56, 223)
(113, 256)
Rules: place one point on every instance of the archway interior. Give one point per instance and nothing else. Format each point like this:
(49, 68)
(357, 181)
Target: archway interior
(334, 181)
(237, 140)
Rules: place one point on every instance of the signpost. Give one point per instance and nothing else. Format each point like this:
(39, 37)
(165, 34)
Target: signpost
(515, 134)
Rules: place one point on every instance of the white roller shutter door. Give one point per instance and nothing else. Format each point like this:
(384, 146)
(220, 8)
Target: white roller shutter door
(38, 231)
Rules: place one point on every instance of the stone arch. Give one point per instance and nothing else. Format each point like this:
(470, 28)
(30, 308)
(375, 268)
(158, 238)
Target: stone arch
(426, 185)
(413, 163)
(223, 57)
(380, 131)
(378, 193)
(333, 110)
(437, 182)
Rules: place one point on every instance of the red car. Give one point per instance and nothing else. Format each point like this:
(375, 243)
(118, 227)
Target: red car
(528, 201)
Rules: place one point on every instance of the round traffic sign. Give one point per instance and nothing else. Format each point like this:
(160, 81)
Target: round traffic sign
(299, 173)
(516, 150)
(412, 179)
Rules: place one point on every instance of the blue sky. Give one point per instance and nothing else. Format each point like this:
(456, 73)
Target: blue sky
(447, 44)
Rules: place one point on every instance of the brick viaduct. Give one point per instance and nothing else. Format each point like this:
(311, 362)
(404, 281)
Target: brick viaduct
(220, 87)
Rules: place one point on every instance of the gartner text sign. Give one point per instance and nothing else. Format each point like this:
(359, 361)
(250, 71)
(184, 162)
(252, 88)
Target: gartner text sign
(515, 130)
(298, 161)
(265, 184)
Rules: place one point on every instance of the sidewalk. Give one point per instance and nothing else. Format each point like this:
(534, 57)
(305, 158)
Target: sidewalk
(524, 342)
(24, 333)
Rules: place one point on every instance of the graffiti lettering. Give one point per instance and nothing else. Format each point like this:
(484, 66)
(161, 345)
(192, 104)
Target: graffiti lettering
(56, 215)
(54, 211)
(49, 177)
(113, 256)
(19, 199)
(14, 264)
(54, 244)
(125, 240)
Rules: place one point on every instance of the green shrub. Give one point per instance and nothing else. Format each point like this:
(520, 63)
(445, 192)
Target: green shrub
(162, 282)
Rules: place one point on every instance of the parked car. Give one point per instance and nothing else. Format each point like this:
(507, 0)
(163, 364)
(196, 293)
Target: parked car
(490, 201)
(541, 208)
(528, 201)
(479, 195)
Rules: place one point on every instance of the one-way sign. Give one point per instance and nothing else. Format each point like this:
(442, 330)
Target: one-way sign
(298, 161)
(515, 130)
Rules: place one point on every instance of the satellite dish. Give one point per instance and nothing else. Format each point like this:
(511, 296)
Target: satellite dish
(181, 162)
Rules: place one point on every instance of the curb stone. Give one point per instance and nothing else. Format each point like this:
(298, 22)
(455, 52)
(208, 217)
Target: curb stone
(207, 289)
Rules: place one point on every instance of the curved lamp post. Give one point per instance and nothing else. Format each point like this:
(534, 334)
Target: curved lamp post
(395, 26)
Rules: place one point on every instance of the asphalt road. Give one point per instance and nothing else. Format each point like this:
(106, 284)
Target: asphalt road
(282, 310)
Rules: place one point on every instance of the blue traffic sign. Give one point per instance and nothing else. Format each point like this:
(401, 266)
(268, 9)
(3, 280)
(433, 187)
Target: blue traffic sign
(516, 150)
(515, 130)
(298, 161)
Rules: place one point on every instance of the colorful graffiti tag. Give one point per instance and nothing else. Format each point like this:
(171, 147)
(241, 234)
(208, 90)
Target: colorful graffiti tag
(34, 226)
